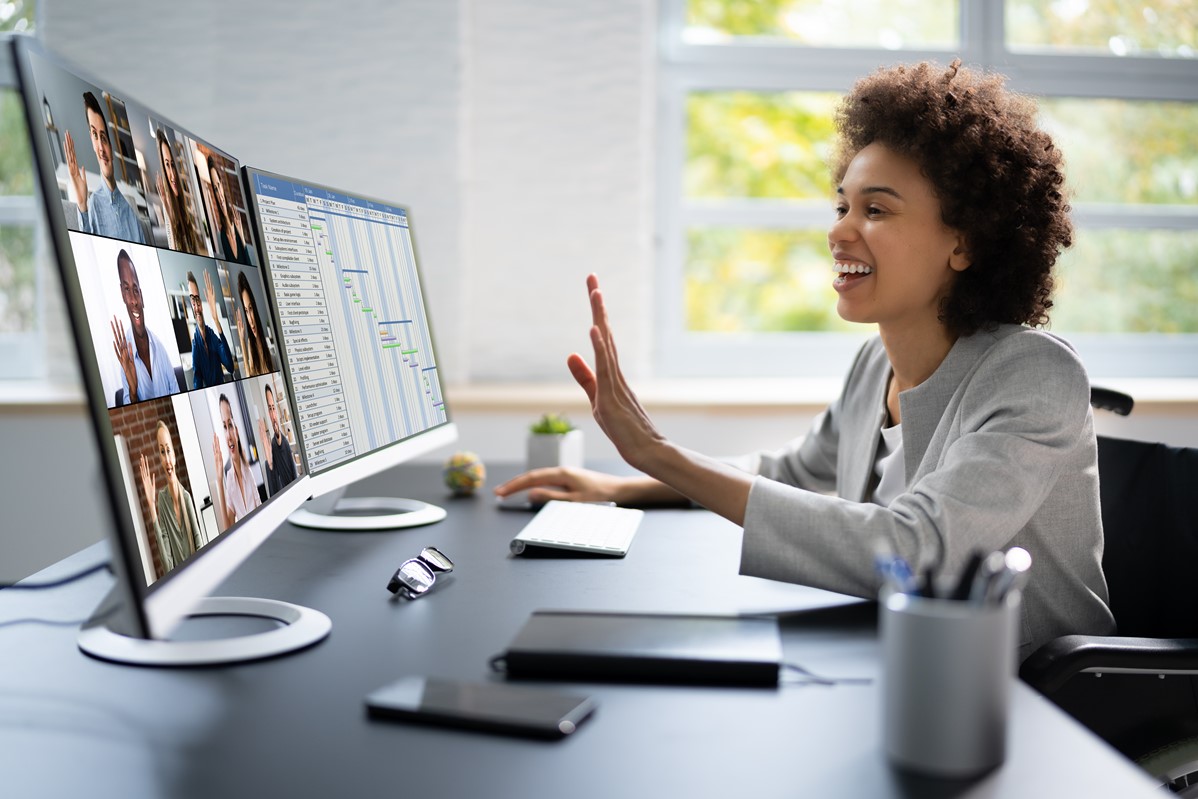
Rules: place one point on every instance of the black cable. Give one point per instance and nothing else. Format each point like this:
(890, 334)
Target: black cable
(61, 581)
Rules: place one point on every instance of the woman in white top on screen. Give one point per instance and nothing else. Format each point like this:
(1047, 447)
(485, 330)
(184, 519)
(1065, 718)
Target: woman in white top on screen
(237, 493)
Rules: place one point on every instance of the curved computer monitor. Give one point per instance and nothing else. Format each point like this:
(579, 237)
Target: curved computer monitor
(179, 357)
(357, 343)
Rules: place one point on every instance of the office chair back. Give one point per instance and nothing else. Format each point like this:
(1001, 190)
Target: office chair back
(1150, 523)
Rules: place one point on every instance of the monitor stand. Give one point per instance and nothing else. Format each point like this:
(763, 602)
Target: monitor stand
(332, 511)
(278, 628)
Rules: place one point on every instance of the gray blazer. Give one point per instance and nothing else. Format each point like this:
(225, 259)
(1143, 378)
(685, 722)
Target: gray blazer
(999, 451)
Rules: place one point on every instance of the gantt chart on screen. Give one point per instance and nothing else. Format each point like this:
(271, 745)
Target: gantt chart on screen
(352, 317)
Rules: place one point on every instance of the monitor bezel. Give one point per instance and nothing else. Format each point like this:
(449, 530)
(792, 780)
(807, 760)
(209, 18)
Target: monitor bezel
(142, 611)
(342, 474)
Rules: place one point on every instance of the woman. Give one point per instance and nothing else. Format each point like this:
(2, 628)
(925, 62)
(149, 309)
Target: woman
(181, 231)
(961, 428)
(236, 490)
(251, 332)
(172, 512)
(229, 236)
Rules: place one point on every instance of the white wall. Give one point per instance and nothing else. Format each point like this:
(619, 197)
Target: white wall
(519, 132)
(557, 179)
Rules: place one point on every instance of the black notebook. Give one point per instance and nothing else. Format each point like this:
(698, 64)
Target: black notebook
(657, 648)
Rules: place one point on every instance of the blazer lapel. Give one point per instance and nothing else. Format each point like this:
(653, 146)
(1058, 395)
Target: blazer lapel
(923, 407)
(862, 429)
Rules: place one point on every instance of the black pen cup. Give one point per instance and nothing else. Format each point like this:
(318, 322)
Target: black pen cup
(948, 666)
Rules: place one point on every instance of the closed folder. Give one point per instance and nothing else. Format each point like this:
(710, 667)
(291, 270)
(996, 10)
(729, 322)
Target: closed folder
(582, 646)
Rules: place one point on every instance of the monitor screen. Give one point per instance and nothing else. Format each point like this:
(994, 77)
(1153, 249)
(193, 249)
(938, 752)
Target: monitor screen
(356, 338)
(179, 349)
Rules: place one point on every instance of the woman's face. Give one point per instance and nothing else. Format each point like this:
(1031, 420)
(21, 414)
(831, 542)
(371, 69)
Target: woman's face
(226, 419)
(893, 255)
(166, 452)
(168, 166)
(218, 186)
(247, 302)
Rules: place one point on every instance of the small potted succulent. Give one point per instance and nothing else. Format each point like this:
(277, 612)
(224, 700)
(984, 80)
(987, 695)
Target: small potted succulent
(554, 441)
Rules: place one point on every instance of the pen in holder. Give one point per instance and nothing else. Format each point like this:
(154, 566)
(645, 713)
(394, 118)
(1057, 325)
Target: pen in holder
(946, 681)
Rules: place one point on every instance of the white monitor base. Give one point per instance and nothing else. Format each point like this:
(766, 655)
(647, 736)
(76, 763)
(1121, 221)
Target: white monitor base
(370, 513)
(301, 627)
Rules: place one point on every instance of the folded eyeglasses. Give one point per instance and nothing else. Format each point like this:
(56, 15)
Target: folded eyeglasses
(416, 576)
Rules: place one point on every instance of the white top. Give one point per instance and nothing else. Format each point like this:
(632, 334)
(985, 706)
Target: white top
(889, 467)
(242, 502)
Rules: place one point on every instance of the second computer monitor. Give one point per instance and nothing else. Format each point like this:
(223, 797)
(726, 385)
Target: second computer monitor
(357, 341)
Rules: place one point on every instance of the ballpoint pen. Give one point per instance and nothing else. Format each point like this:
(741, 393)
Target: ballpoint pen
(965, 582)
(895, 571)
(1016, 564)
(990, 567)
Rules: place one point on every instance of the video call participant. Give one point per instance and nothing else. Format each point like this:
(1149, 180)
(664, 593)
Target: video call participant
(146, 370)
(251, 332)
(210, 353)
(171, 509)
(237, 492)
(180, 226)
(280, 463)
(105, 212)
(230, 238)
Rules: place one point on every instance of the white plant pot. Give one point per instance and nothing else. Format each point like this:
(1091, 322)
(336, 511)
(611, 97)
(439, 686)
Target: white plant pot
(555, 449)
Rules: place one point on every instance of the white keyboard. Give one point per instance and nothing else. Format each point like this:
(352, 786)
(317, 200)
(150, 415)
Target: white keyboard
(582, 527)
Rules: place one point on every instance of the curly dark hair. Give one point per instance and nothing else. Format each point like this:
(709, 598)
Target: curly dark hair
(998, 176)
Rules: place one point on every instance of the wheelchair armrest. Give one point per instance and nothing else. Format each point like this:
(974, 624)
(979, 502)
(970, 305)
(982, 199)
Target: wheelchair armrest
(1050, 666)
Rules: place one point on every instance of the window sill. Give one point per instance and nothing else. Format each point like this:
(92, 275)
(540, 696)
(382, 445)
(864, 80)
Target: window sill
(730, 395)
(751, 394)
(40, 395)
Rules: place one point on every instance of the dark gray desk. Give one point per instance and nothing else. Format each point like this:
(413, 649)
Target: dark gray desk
(296, 727)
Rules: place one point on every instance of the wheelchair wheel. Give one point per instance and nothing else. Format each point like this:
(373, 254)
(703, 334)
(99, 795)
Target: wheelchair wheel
(1175, 765)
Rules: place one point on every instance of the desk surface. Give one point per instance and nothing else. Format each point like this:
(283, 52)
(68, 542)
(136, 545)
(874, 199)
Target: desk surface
(296, 726)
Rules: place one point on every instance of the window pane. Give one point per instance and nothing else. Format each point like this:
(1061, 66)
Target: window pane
(740, 280)
(1112, 27)
(1128, 281)
(1122, 151)
(889, 24)
(18, 281)
(16, 169)
(749, 144)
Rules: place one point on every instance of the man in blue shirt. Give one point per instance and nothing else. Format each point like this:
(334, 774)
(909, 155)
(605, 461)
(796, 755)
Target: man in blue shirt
(146, 370)
(210, 353)
(105, 212)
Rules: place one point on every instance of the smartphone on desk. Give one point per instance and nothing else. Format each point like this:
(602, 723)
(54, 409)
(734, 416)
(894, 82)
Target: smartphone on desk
(490, 707)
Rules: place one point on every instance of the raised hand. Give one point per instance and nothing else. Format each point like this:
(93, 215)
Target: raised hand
(239, 323)
(613, 403)
(210, 296)
(77, 173)
(124, 356)
(222, 507)
(238, 226)
(218, 456)
(148, 485)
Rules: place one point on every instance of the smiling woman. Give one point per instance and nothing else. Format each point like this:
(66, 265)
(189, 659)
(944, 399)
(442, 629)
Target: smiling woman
(961, 428)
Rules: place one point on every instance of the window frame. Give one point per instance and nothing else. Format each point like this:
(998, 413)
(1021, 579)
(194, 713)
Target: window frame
(22, 354)
(773, 65)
